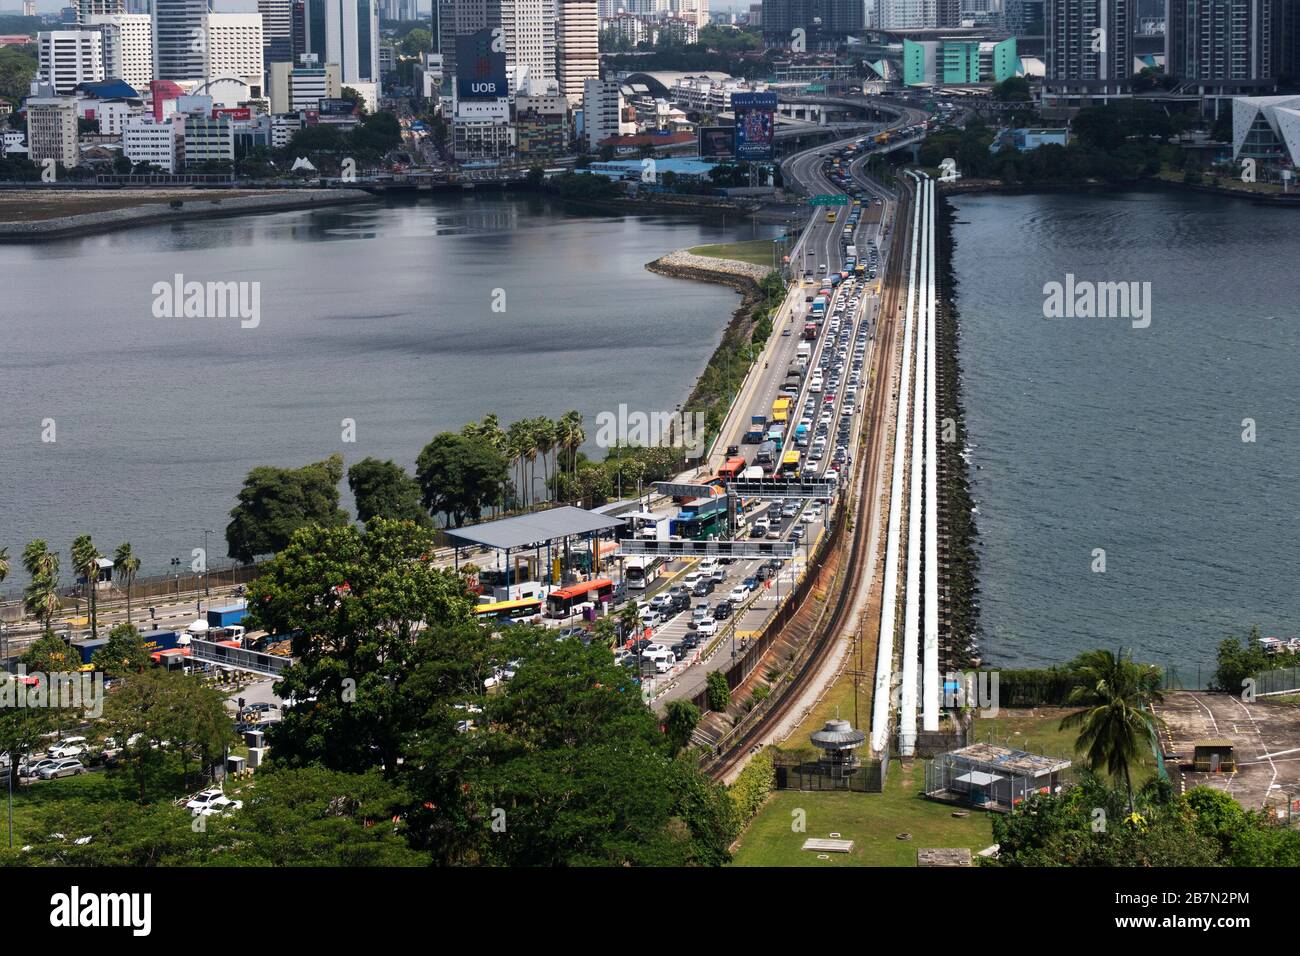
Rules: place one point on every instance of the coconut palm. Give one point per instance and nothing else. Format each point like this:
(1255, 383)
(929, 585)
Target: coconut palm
(1117, 722)
(571, 437)
(85, 562)
(517, 444)
(544, 437)
(40, 597)
(126, 565)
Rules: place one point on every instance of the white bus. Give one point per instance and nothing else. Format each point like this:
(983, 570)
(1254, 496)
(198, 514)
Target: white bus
(641, 569)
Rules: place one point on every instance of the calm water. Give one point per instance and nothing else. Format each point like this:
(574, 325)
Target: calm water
(382, 314)
(1088, 433)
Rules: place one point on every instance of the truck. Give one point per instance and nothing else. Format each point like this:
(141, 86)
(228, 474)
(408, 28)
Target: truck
(851, 252)
(757, 427)
(753, 473)
(227, 616)
(155, 641)
(819, 307)
(781, 408)
(86, 649)
(805, 350)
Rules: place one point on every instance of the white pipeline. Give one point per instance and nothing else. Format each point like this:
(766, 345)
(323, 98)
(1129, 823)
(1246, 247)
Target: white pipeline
(931, 690)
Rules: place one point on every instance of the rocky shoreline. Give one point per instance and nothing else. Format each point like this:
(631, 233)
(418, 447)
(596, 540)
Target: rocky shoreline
(744, 277)
(203, 205)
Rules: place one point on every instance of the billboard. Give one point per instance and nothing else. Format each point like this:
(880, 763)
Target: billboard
(717, 142)
(755, 125)
(481, 65)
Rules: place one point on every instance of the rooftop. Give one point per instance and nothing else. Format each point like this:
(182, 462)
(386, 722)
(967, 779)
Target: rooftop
(992, 758)
(540, 526)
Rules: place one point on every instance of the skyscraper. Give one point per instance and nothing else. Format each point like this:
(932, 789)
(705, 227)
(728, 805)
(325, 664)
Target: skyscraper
(577, 48)
(128, 47)
(1221, 39)
(179, 39)
(529, 28)
(456, 18)
(345, 32)
(1090, 44)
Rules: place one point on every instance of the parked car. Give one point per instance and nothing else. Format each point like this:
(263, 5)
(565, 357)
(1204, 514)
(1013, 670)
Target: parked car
(61, 768)
(34, 769)
(212, 801)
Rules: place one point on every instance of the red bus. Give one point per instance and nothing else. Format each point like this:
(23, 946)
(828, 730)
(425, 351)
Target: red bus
(810, 331)
(732, 468)
(560, 603)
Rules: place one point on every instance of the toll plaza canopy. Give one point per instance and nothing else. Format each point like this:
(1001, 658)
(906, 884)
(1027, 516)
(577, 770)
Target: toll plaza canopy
(533, 529)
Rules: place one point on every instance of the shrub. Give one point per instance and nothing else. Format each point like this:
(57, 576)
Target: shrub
(753, 785)
(719, 694)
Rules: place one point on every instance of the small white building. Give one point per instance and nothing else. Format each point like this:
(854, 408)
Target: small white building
(145, 141)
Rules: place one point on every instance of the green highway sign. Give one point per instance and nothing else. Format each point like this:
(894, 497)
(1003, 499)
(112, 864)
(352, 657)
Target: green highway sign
(828, 200)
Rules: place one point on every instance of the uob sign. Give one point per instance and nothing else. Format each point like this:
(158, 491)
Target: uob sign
(480, 66)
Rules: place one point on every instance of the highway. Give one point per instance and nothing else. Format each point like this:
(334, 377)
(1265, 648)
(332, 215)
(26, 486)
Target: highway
(844, 349)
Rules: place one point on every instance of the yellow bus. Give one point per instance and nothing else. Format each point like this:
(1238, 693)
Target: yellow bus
(790, 463)
(508, 610)
(830, 216)
(781, 410)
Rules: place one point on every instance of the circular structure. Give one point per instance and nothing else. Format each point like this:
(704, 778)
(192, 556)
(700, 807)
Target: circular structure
(838, 741)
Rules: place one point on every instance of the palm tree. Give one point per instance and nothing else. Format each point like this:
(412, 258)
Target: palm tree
(126, 565)
(1117, 721)
(571, 438)
(490, 431)
(40, 597)
(85, 562)
(517, 442)
(4, 573)
(544, 430)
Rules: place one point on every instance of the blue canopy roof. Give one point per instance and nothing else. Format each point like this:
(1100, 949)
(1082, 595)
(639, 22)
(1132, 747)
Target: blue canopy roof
(110, 89)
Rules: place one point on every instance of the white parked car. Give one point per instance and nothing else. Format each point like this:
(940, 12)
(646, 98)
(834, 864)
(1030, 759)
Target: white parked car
(212, 801)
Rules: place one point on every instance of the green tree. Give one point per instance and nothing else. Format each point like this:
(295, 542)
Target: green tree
(459, 476)
(719, 693)
(354, 601)
(1238, 661)
(383, 489)
(1117, 723)
(125, 652)
(680, 722)
(126, 566)
(276, 502)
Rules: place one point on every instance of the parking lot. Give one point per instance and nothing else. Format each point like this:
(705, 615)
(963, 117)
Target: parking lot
(1266, 743)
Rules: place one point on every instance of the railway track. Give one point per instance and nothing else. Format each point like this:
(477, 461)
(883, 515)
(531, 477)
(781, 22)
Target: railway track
(849, 569)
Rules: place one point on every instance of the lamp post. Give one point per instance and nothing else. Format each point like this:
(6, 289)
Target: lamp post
(207, 590)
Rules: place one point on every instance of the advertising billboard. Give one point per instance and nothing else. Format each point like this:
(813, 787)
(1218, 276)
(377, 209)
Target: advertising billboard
(717, 142)
(755, 125)
(481, 65)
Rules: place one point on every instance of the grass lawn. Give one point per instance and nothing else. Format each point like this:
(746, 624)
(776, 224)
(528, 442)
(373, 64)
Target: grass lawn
(756, 251)
(871, 820)
(874, 820)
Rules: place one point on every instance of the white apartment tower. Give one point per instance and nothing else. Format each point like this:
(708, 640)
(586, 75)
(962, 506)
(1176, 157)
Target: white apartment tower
(529, 28)
(69, 57)
(128, 47)
(577, 47)
(234, 47)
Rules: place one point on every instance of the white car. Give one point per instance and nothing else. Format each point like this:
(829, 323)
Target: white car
(653, 650)
(212, 801)
(738, 594)
(69, 748)
(708, 627)
(61, 768)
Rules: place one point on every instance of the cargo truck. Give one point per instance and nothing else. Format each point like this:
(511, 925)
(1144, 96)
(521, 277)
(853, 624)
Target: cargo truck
(227, 616)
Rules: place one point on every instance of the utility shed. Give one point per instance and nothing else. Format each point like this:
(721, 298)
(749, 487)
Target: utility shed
(1213, 755)
(990, 777)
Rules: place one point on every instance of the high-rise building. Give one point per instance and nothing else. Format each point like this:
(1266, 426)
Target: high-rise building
(817, 18)
(277, 30)
(909, 14)
(90, 8)
(1208, 40)
(179, 39)
(52, 130)
(528, 29)
(128, 47)
(602, 110)
(1287, 39)
(29, 8)
(345, 32)
(577, 47)
(1090, 45)
(457, 18)
(68, 57)
(292, 87)
(234, 47)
